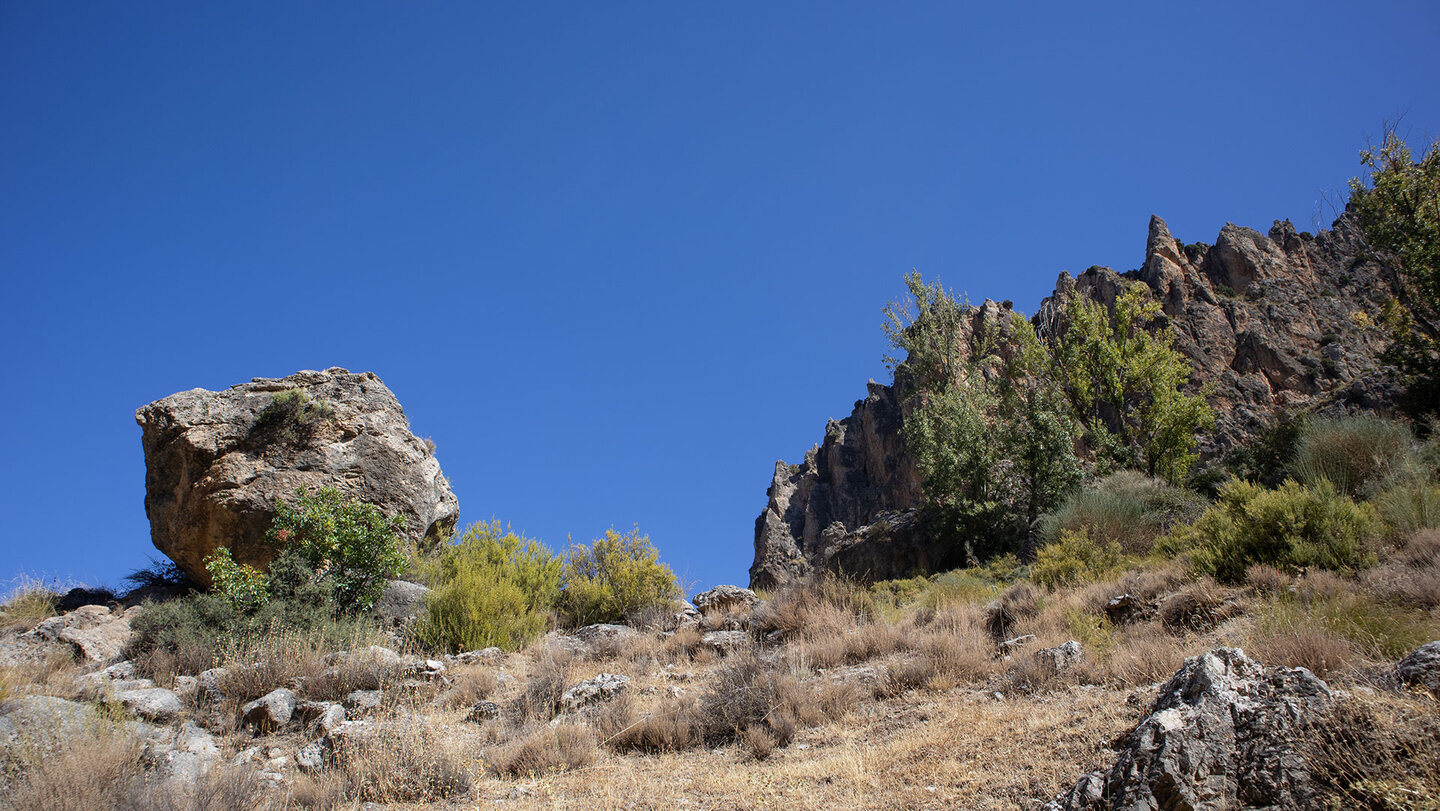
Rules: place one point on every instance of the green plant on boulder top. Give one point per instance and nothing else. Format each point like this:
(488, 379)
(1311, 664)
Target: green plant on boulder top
(492, 588)
(615, 577)
(290, 416)
(347, 541)
(243, 585)
(1291, 528)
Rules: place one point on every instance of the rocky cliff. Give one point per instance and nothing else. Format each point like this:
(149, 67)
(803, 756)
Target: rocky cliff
(216, 462)
(1273, 323)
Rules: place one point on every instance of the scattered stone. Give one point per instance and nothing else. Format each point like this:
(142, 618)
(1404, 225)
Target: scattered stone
(428, 669)
(1421, 668)
(212, 683)
(473, 657)
(363, 701)
(483, 711)
(725, 641)
(321, 716)
(151, 703)
(269, 712)
(187, 688)
(313, 756)
(723, 597)
(595, 633)
(1128, 608)
(592, 691)
(1220, 735)
(1061, 657)
(214, 469)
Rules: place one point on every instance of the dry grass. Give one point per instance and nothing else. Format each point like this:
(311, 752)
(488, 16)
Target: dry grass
(1266, 580)
(546, 750)
(670, 727)
(469, 686)
(1199, 606)
(1376, 751)
(405, 760)
(28, 603)
(546, 679)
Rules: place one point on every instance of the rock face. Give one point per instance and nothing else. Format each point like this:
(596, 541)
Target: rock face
(1220, 735)
(97, 633)
(215, 467)
(1273, 323)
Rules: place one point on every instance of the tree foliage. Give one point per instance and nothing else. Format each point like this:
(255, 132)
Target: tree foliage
(615, 577)
(347, 541)
(1125, 381)
(1398, 206)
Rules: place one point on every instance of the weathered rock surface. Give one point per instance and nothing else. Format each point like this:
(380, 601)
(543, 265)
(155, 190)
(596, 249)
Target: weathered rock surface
(401, 602)
(151, 703)
(1274, 323)
(270, 712)
(43, 721)
(592, 691)
(97, 633)
(721, 598)
(1421, 668)
(213, 475)
(1221, 734)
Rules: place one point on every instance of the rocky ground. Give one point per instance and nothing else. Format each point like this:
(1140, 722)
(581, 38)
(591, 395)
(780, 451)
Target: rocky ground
(1128, 694)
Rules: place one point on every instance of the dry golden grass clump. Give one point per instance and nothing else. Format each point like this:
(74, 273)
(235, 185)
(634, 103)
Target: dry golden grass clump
(544, 750)
(1376, 751)
(405, 760)
(28, 603)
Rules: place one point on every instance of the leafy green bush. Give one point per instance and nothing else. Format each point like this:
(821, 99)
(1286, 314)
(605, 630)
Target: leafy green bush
(1074, 559)
(244, 586)
(1291, 527)
(347, 541)
(616, 576)
(1355, 453)
(1127, 507)
(492, 588)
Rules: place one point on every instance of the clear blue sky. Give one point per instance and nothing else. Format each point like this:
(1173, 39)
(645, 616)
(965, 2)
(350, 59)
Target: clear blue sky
(615, 258)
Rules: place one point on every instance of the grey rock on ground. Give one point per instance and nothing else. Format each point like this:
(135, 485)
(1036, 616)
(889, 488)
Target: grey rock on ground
(363, 701)
(1061, 657)
(401, 602)
(45, 721)
(1221, 734)
(604, 630)
(213, 474)
(593, 691)
(723, 597)
(483, 711)
(1421, 668)
(725, 641)
(152, 703)
(270, 712)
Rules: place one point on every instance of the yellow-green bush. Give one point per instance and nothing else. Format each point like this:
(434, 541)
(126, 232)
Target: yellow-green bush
(1353, 453)
(1127, 507)
(615, 577)
(493, 588)
(1075, 559)
(1291, 527)
(1410, 507)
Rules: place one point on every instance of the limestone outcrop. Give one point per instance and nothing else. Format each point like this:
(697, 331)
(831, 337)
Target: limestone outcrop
(1272, 323)
(217, 462)
(1221, 734)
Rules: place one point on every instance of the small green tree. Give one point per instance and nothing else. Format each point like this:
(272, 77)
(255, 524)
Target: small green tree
(1125, 382)
(615, 577)
(1398, 206)
(344, 540)
(494, 587)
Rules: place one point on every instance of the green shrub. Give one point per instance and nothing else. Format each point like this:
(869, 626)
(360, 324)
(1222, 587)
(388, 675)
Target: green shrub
(1355, 454)
(289, 417)
(1074, 559)
(244, 586)
(1289, 528)
(493, 588)
(194, 628)
(616, 576)
(344, 540)
(1127, 507)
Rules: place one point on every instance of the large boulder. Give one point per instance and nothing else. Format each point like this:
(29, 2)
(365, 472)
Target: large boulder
(97, 633)
(1221, 734)
(217, 462)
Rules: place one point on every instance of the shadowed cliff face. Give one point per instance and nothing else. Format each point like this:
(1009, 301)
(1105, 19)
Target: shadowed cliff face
(1271, 323)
